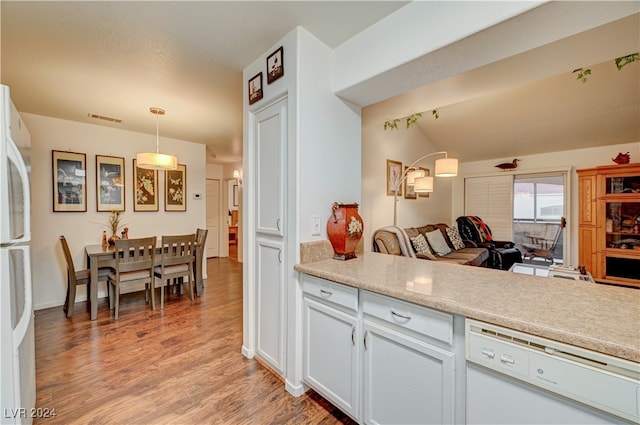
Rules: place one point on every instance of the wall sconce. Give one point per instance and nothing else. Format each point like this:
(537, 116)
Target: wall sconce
(444, 167)
(236, 175)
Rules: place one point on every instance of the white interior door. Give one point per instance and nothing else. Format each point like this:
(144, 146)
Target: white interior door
(213, 218)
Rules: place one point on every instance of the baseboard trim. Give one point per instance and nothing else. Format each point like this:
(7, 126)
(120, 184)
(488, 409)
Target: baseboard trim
(248, 353)
(295, 390)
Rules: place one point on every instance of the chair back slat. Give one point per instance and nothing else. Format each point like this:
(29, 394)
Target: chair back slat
(177, 249)
(201, 236)
(135, 254)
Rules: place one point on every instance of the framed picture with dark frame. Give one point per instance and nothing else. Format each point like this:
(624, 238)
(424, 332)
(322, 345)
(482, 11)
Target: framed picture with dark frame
(145, 189)
(426, 173)
(255, 88)
(394, 174)
(275, 65)
(175, 189)
(110, 187)
(235, 195)
(69, 178)
(408, 189)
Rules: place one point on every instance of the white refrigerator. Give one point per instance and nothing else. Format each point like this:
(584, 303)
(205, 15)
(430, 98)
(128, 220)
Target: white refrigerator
(17, 345)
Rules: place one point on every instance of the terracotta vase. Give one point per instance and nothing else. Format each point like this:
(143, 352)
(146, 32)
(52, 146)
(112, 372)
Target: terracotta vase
(345, 229)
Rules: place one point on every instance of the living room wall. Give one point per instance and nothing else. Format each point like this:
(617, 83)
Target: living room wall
(402, 145)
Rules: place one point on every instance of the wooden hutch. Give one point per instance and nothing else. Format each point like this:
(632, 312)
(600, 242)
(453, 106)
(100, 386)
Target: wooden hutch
(609, 223)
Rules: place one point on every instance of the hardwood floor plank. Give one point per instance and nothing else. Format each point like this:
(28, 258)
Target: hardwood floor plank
(180, 365)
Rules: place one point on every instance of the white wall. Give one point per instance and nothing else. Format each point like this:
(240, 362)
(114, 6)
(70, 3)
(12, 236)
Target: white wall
(83, 228)
(574, 159)
(329, 144)
(406, 146)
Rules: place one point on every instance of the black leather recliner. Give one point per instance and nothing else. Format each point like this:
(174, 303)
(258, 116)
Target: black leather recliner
(503, 254)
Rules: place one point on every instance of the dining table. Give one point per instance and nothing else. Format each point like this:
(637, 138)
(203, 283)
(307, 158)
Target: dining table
(100, 255)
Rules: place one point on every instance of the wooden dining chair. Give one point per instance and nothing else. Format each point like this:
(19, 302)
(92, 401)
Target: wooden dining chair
(176, 262)
(134, 260)
(199, 257)
(77, 277)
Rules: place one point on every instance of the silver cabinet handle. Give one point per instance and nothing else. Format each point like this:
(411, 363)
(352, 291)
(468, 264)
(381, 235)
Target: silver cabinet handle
(280, 256)
(278, 224)
(401, 316)
(490, 354)
(366, 333)
(353, 335)
(325, 293)
(506, 359)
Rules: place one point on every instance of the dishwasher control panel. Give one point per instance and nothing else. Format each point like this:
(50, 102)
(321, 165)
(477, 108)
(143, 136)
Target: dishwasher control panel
(606, 383)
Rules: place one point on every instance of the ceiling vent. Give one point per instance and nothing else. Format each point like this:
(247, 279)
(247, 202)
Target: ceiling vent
(104, 118)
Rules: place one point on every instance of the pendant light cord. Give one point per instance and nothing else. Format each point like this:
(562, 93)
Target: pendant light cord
(158, 133)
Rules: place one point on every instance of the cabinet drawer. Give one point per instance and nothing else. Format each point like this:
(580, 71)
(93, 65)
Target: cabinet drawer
(342, 295)
(423, 320)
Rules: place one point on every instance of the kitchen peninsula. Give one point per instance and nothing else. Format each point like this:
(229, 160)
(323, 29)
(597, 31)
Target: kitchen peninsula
(416, 340)
(597, 317)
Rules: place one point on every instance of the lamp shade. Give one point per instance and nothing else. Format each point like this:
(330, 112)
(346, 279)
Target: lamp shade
(156, 161)
(446, 167)
(423, 185)
(413, 175)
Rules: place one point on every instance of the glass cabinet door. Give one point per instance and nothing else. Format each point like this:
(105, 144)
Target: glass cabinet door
(622, 225)
(622, 185)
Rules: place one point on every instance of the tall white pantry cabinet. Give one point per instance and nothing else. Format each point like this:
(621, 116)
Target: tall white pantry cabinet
(270, 289)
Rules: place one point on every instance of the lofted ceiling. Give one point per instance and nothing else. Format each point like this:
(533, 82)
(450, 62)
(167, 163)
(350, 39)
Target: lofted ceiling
(116, 59)
(532, 103)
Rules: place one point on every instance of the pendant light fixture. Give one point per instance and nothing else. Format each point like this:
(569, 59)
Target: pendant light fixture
(156, 160)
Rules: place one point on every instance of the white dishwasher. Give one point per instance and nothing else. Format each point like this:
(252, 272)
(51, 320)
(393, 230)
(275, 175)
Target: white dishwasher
(513, 378)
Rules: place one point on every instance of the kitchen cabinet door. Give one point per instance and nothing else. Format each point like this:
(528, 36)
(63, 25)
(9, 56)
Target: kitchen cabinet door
(271, 302)
(331, 354)
(406, 380)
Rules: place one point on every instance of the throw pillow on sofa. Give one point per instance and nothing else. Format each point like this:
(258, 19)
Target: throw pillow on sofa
(437, 242)
(455, 238)
(421, 246)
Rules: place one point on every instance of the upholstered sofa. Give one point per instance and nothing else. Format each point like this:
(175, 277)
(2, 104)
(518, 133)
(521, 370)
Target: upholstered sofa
(409, 242)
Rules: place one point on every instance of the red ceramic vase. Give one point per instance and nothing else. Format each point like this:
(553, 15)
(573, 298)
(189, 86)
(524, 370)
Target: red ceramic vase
(345, 229)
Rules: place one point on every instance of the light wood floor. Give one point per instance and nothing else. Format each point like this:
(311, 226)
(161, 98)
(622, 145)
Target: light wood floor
(181, 365)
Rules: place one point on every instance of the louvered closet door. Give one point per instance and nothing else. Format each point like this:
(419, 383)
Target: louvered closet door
(491, 199)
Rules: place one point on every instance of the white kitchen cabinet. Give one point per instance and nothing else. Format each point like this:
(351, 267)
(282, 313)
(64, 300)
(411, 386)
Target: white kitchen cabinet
(270, 304)
(271, 141)
(331, 342)
(406, 378)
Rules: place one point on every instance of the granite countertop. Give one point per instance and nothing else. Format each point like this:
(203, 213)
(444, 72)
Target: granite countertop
(601, 318)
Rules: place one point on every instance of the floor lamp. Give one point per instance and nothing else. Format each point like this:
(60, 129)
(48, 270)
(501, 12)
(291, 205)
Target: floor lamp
(444, 167)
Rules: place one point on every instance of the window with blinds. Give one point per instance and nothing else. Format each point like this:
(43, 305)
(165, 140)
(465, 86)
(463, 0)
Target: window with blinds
(491, 199)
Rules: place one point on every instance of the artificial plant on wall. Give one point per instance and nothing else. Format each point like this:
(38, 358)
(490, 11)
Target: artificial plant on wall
(620, 62)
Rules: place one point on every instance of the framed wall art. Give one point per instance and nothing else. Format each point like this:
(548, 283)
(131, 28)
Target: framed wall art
(275, 66)
(110, 188)
(408, 189)
(145, 189)
(394, 174)
(235, 195)
(255, 88)
(69, 181)
(175, 189)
